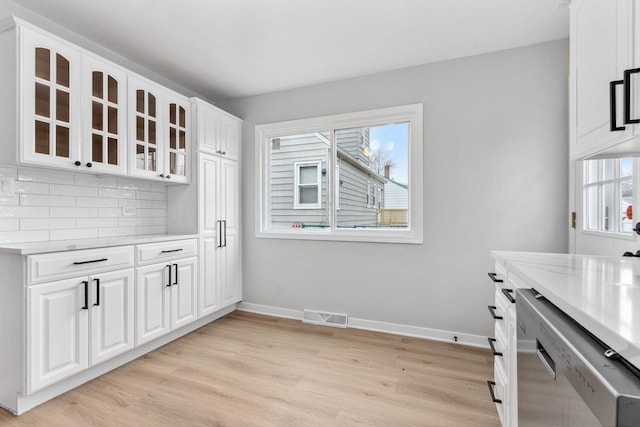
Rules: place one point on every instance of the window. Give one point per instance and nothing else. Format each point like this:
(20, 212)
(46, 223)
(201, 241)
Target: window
(353, 177)
(307, 184)
(608, 195)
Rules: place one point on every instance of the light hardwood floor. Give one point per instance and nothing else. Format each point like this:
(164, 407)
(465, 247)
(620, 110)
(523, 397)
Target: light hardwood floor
(252, 370)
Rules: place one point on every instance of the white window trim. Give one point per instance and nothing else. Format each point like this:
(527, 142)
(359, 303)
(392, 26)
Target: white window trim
(413, 114)
(297, 185)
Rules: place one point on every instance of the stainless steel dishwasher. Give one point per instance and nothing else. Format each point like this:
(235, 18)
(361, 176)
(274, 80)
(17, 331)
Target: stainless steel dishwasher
(566, 376)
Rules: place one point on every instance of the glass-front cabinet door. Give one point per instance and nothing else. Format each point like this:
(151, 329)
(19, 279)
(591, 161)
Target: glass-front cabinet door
(104, 122)
(177, 153)
(146, 144)
(51, 95)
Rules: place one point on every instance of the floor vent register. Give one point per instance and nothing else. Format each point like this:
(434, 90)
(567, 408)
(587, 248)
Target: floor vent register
(323, 318)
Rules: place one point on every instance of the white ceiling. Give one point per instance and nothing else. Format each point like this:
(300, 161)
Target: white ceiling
(235, 48)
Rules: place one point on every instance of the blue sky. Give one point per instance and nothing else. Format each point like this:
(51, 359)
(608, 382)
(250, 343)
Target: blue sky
(394, 141)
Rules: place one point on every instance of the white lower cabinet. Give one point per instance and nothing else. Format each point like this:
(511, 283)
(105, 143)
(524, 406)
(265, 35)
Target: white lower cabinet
(167, 298)
(75, 323)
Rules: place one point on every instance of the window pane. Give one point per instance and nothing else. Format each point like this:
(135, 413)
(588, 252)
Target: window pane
(591, 171)
(608, 169)
(591, 208)
(308, 175)
(626, 166)
(304, 155)
(608, 207)
(626, 202)
(373, 186)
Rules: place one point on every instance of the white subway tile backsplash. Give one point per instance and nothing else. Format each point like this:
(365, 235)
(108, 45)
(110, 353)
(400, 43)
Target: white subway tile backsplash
(11, 200)
(40, 204)
(74, 212)
(96, 222)
(77, 233)
(31, 187)
(116, 231)
(96, 202)
(47, 223)
(46, 200)
(23, 236)
(126, 184)
(116, 193)
(73, 190)
(24, 212)
(41, 175)
(9, 224)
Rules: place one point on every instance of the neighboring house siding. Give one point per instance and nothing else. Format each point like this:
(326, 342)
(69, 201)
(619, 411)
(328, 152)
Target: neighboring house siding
(396, 195)
(354, 175)
(306, 148)
(354, 142)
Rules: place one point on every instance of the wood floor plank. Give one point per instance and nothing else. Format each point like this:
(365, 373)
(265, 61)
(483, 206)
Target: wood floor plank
(252, 370)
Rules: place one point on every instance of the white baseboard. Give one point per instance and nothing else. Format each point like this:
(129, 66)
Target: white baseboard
(373, 325)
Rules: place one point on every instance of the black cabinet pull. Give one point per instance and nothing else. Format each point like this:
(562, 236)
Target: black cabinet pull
(507, 293)
(493, 348)
(90, 261)
(225, 231)
(86, 295)
(97, 292)
(492, 310)
(176, 275)
(219, 233)
(493, 278)
(491, 385)
(170, 280)
(627, 96)
(170, 250)
(612, 105)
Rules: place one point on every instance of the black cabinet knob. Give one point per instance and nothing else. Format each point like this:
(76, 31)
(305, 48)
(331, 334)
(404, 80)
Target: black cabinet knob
(77, 163)
(161, 175)
(89, 164)
(168, 176)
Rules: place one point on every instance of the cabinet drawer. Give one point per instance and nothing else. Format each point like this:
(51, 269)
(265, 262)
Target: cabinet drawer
(61, 265)
(500, 389)
(150, 253)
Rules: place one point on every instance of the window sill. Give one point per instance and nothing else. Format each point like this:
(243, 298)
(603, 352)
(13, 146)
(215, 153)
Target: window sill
(379, 236)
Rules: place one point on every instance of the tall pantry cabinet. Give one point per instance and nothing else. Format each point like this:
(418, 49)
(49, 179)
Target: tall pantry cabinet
(212, 206)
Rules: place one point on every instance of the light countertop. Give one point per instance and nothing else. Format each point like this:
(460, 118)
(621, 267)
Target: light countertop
(72, 245)
(600, 293)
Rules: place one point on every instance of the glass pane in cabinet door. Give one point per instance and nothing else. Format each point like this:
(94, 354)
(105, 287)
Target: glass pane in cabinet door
(112, 118)
(62, 106)
(140, 101)
(172, 138)
(183, 117)
(112, 151)
(183, 140)
(62, 141)
(62, 70)
(140, 157)
(151, 161)
(42, 137)
(96, 148)
(97, 84)
(172, 114)
(139, 129)
(112, 85)
(152, 132)
(172, 164)
(152, 105)
(96, 116)
(43, 65)
(43, 100)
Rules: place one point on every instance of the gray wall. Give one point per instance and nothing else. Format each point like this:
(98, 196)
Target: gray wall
(495, 177)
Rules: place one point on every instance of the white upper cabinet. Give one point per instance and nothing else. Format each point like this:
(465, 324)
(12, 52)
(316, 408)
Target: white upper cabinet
(104, 108)
(159, 132)
(602, 101)
(219, 132)
(51, 94)
(78, 111)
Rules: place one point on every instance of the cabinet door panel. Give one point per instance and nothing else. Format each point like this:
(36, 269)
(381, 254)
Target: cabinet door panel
(229, 270)
(51, 101)
(152, 303)
(230, 195)
(178, 148)
(105, 97)
(209, 300)
(184, 293)
(208, 188)
(230, 135)
(112, 312)
(57, 332)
